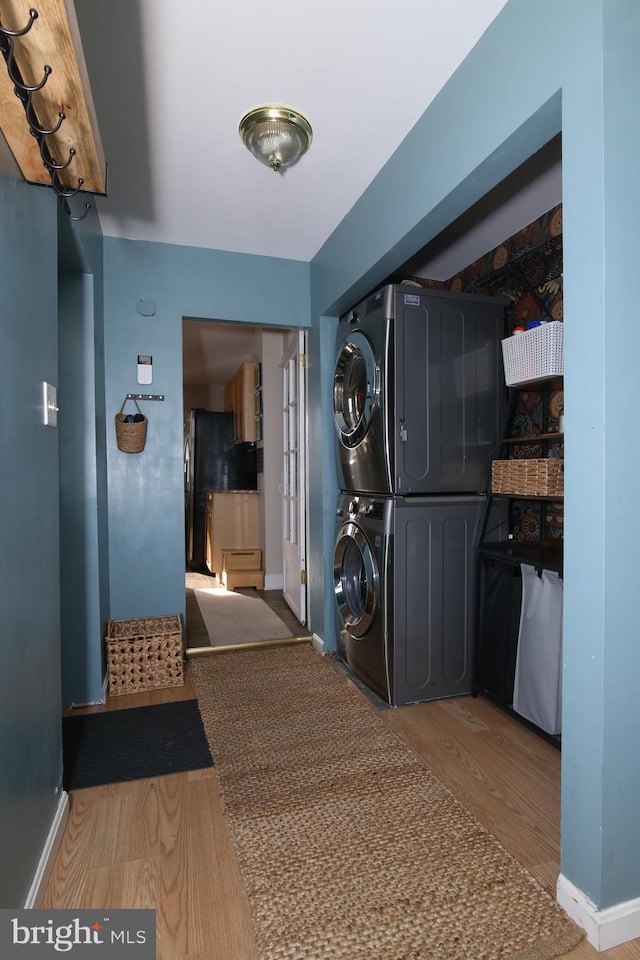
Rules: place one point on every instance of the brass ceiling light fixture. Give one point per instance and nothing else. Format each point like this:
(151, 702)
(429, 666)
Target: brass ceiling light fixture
(276, 136)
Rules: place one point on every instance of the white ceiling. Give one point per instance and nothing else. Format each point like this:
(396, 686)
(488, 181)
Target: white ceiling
(170, 83)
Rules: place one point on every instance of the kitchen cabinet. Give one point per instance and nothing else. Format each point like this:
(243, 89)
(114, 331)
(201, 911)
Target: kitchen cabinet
(522, 526)
(239, 398)
(231, 524)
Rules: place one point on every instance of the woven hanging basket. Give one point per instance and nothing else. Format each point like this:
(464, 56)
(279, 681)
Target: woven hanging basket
(131, 437)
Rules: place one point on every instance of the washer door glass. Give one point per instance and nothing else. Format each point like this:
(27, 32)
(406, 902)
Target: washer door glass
(355, 579)
(355, 388)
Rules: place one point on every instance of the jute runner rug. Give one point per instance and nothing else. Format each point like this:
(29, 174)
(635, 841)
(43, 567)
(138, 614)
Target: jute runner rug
(349, 847)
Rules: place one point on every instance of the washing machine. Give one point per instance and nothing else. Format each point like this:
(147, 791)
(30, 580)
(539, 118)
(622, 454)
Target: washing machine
(418, 391)
(404, 584)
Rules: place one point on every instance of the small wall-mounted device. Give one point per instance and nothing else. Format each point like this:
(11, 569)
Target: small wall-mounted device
(50, 405)
(147, 308)
(145, 368)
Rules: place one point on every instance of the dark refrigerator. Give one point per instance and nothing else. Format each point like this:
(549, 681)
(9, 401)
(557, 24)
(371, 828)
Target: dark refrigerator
(212, 461)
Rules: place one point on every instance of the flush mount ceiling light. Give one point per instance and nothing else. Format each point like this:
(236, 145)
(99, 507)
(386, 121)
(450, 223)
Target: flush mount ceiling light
(276, 136)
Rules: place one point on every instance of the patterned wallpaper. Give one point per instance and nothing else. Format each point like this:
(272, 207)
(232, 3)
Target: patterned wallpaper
(527, 269)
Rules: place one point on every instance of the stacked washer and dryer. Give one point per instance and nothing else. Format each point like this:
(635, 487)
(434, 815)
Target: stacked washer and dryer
(418, 397)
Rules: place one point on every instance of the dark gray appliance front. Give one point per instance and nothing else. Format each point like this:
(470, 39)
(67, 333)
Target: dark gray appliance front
(404, 582)
(360, 564)
(434, 582)
(418, 391)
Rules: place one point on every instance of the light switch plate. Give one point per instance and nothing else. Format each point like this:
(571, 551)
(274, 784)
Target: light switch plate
(50, 405)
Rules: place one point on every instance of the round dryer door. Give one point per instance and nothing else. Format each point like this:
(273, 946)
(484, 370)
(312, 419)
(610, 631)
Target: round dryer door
(355, 576)
(355, 388)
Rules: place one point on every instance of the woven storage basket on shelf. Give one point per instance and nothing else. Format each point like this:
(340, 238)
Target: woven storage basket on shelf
(534, 355)
(130, 437)
(528, 478)
(144, 654)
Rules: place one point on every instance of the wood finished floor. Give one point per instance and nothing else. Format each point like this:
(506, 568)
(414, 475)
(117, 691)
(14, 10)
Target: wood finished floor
(163, 842)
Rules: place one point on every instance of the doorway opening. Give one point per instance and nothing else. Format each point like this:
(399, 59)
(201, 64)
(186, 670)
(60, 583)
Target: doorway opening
(245, 512)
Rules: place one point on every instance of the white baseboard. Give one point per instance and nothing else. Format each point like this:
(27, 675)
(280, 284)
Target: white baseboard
(49, 851)
(317, 643)
(273, 581)
(604, 928)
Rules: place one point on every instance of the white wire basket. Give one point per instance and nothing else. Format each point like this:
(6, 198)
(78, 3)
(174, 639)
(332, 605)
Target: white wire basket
(534, 355)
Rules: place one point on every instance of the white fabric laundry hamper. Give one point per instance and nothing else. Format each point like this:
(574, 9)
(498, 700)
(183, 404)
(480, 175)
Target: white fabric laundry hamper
(537, 693)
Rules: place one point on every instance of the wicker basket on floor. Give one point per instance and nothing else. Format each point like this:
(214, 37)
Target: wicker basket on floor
(528, 478)
(144, 654)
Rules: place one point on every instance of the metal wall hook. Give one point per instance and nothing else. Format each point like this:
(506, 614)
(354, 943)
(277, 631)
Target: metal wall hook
(33, 15)
(67, 210)
(59, 188)
(14, 73)
(50, 163)
(33, 122)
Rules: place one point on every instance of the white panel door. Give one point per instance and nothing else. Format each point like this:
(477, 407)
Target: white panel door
(294, 478)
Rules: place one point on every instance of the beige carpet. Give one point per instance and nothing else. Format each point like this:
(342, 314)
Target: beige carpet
(349, 847)
(231, 617)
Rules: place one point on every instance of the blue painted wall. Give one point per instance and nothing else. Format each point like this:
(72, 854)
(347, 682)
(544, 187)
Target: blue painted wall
(601, 770)
(621, 773)
(146, 498)
(539, 69)
(30, 710)
(83, 494)
(322, 476)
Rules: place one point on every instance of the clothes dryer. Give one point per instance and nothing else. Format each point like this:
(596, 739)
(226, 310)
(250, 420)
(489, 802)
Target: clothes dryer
(418, 391)
(404, 583)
